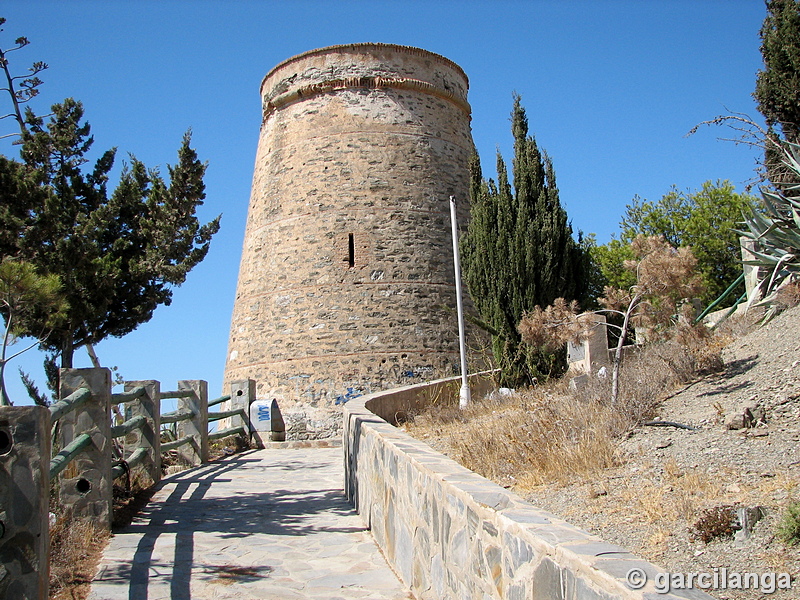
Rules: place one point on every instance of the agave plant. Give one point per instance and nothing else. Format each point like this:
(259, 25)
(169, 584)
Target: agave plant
(776, 231)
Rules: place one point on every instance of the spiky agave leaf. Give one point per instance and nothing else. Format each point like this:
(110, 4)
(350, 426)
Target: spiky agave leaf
(776, 230)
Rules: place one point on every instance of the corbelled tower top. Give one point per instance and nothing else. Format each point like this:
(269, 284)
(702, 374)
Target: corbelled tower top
(363, 65)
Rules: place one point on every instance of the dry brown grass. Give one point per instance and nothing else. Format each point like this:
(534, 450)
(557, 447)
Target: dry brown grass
(549, 434)
(75, 547)
(540, 435)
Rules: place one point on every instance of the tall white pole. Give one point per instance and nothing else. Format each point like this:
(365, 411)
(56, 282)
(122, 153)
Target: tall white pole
(464, 396)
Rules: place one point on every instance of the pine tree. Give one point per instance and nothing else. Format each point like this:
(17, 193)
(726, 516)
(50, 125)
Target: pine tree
(518, 251)
(778, 84)
(117, 255)
(26, 298)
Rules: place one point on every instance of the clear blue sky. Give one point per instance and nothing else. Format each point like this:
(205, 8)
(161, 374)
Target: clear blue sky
(611, 88)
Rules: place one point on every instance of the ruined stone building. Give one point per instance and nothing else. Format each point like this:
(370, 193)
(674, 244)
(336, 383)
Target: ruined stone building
(346, 281)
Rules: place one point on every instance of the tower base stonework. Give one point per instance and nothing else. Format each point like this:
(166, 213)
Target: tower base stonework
(346, 283)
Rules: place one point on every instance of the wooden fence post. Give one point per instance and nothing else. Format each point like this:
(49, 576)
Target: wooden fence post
(24, 502)
(196, 452)
(149, 435)
(86, 484)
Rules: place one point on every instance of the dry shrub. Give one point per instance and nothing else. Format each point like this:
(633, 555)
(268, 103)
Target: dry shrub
(652, 371)
(715, 522)
(553, 326)
(644, 378)
(692, 351)
(739, 324)
(75, 546)
(538, 436)
(665, 277)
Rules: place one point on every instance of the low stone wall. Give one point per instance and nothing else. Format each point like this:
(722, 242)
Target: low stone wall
(449, 533)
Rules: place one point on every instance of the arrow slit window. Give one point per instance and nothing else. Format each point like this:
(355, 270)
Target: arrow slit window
(351, 251)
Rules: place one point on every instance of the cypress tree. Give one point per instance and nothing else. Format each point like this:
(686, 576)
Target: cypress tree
(778, 84)
(518, 251)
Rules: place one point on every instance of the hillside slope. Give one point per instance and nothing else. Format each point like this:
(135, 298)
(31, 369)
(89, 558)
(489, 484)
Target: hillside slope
(668, 476)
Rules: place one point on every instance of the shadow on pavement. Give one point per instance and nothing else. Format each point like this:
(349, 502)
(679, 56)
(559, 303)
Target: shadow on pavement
(191, 507)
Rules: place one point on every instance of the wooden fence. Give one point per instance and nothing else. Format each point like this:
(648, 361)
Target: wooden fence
(93, 452)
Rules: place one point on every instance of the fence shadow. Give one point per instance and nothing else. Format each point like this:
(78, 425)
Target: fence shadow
(195, 502)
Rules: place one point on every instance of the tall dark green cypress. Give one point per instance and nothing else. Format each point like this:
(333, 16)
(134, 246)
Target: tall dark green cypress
(518, 251)
(778, 84)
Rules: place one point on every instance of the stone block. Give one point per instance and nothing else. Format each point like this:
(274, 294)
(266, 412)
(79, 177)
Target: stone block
(590, 354)
(547, 582)
(518, 552)
(149, 435)
(196, 452)
(86, 485)
(243, 394)
(24, 502)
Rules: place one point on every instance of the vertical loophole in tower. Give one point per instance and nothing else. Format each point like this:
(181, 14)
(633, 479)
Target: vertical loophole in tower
(351, 251)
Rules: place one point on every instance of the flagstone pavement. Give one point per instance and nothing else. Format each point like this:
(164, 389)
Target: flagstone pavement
(270, 523)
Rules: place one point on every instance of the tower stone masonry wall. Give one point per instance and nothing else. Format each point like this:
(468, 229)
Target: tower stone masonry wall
(346, 281)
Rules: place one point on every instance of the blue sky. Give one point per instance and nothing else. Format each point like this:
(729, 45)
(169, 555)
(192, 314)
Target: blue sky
(611, 89)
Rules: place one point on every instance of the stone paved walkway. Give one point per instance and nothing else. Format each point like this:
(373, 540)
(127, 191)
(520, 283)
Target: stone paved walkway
(262, 524)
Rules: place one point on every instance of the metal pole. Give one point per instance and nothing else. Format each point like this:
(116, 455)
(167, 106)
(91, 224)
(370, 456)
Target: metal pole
(464, 395)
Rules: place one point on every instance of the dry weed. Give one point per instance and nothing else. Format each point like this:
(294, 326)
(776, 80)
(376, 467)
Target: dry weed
(788, 296)
(643, 381)
(74, 551)
(659, 538)
(653, 505)
(738, 325)
(539, 436)
(549, 434)
(784, 482)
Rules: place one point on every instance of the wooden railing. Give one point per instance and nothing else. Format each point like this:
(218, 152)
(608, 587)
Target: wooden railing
(93, 451)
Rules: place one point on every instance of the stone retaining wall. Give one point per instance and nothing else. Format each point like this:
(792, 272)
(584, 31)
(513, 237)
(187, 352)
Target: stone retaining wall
(449, 533)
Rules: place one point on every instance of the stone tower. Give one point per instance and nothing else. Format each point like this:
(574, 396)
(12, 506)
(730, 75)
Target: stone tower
(346, 280)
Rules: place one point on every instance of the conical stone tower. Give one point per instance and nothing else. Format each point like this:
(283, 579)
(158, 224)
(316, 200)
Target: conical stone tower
(346, 281)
